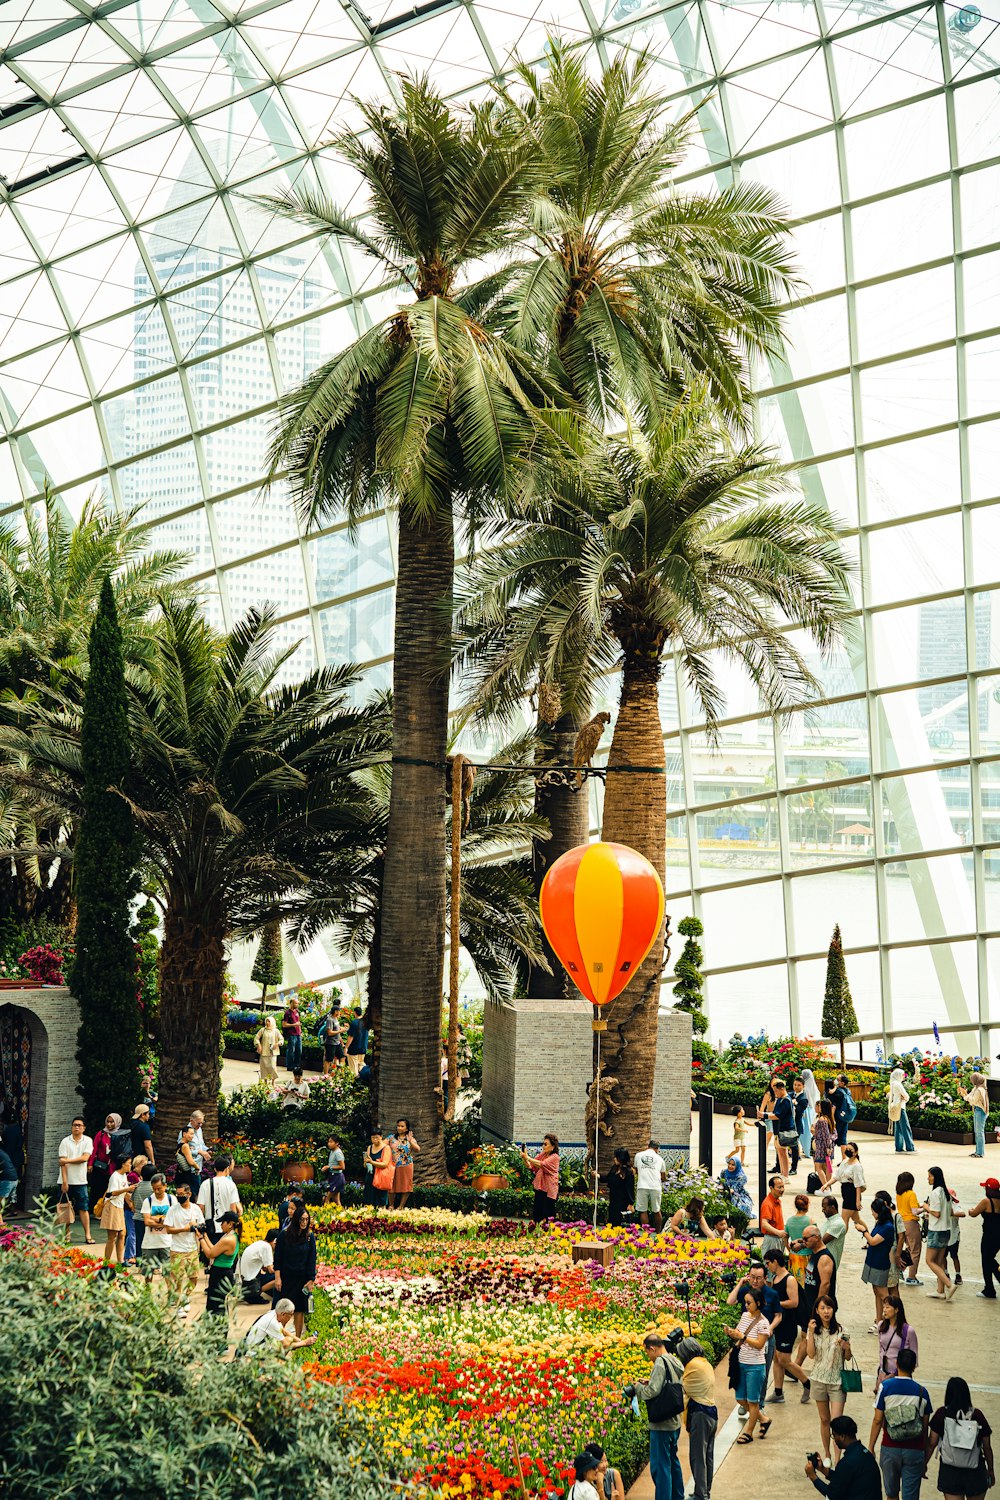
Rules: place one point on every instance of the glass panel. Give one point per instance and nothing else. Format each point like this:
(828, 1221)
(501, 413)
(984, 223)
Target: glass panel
(741, 839)
(747, 1001)
(906, 313)
(849, 893)
(986, 607)
(930, 897)
(828, 825)
(359, 629)
(743, 925)
(902, 231)
(906, 478)
(924, 557)
(934, 983)
(342, 566)
(276, 579)
(863, 978)
(930, 810)
(985, 543)
(909, 394)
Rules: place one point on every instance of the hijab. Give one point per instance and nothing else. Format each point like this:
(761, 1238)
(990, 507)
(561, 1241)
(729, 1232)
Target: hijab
(116, 1122)
(809, 1086)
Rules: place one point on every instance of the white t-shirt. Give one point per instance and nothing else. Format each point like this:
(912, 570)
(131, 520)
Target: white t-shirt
(938, 1199)
(256, 1258)
(76, 1175)
(582, 1489)
(266, 1327)
(648, 1165)
(186, 1215)
(836, 1227)
(295, 1095)
(158, 1209)
(223, 1191)
(116, 1182)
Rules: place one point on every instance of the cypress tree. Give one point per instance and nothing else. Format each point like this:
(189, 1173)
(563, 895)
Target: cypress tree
(690, 981)
(267, 968)
(104, 978)
(839, 1020)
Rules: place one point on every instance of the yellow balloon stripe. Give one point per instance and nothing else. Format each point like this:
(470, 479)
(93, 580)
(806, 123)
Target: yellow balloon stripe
(599, 909)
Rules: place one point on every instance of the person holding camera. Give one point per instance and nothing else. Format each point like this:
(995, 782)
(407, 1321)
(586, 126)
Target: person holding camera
(857, 1475)
(663, 1394)
(222, 1255)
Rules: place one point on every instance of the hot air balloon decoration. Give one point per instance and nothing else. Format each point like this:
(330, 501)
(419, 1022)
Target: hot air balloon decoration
(601, 907)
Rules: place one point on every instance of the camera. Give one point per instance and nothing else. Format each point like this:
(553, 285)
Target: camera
(673, 1339)
(813, 1458)
(730, 1278)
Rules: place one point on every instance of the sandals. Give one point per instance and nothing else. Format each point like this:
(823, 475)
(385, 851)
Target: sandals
(745, 1437)
(765, 1428)
(90, 1242)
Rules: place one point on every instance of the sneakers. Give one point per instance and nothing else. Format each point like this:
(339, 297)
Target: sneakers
(949, 1292)
(937, 1296)
(911, 1281)
(958, 1281)
(776, 1398)
(987, 1296)
(805, 1394)
(873, 1328)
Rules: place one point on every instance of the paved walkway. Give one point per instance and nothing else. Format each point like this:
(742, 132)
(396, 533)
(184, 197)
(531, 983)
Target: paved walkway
(956, 1338)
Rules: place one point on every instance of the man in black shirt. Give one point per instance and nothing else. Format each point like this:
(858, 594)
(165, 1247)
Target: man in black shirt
(783, 1116)
(800, 1103)
(857, 1475)
(838, 1098)
(820, 1274)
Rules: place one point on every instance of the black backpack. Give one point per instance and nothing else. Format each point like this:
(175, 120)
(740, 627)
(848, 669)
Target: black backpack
(668, 1401)
(121, 1145)
(813, 1183)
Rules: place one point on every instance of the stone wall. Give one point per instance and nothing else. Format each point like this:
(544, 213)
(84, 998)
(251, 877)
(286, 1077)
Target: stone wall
(538, 1061)
(53, 1099)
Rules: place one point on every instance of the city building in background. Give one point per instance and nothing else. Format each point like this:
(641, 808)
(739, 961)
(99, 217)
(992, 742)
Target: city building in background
(152, 312)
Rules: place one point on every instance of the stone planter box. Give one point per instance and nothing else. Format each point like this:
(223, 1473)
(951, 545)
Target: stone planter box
(240, 1054)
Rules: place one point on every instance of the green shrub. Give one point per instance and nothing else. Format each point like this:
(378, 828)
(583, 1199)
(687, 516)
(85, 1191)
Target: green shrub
(104, 1352)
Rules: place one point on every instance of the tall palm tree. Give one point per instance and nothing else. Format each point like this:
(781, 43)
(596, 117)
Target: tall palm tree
(631, 287)
(679, 542)
(242, 791)
(499, 923)
(431, 412)
(51, 572)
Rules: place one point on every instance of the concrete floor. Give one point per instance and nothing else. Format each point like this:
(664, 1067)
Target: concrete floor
(957, 1338)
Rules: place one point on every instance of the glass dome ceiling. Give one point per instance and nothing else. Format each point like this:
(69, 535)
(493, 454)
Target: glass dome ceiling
(150, 314)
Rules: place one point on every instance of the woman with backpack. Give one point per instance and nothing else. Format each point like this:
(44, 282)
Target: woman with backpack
(961, 1434)
(99, 1161)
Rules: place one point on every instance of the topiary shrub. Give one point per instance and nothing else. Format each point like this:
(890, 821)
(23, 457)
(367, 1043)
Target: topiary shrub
(253, 1426)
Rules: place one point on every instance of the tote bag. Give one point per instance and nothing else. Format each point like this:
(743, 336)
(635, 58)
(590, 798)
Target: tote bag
(850, 1377)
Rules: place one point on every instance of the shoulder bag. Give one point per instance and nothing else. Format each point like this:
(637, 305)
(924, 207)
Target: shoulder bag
(850, 1377)
(669, 1399)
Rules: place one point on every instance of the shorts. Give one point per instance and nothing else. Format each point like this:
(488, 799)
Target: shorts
(787, 1335)
(153, 1258)
(79, 1195)
(8, 1187)
(954, 1481)
(648, 1200)
(335, 1181)
(330, 1050)
(822, 1390)
(752, 1381)
(875, 1275)
(841, 1132)
(939, 1239)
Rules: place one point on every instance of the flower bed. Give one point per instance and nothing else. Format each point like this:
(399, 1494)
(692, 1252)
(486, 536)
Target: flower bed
(480, 1357)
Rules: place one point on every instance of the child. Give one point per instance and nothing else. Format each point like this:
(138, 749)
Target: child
(740, 1135)
(335, 1178)
(113, 1215)
(721, 1229)
(795, 1227)
(952, 1251)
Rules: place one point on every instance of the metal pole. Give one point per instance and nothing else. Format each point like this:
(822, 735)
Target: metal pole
(706, 1106)
(761, 1164)
(597, 1119)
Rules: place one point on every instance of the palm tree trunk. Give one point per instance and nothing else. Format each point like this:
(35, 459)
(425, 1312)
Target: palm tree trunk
(566, 811)
(375, 1005)
(635, 813)
(192, 973)
(413, 904)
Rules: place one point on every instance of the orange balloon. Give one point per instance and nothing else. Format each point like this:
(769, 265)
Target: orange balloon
(601, 907)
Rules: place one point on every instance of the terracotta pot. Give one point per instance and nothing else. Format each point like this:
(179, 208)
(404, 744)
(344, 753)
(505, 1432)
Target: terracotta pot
(242, 1173)
(488, 1182)
(297, 1171)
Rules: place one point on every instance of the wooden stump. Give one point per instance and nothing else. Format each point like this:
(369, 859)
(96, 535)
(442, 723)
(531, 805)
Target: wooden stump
(594, 1250)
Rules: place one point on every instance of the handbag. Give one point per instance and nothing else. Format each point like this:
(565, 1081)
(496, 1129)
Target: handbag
(813, 1183)
(98, 1207)
(787, 1137)
(734, 1367)
(64, 1211)
(850, 1378)
(895, 1113)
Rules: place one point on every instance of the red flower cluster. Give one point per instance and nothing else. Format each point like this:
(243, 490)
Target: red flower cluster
(457, 1470)
(475, 1388)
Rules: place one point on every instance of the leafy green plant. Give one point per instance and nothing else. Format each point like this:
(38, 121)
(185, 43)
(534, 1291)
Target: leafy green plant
(690, 983)
(267, 967)
(105, 969)
(226, 1428)
(839, 1020)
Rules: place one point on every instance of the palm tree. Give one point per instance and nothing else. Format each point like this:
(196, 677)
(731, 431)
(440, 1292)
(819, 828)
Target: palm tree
(631, 288)
(51, 574)
(431, 412)
(679, 542)
(242, 791)
(500, 929)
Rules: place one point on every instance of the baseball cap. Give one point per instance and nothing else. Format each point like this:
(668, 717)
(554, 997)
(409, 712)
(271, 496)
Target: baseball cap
(992, 1183)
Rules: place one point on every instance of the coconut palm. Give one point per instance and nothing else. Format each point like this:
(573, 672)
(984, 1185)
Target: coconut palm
(499, 923)
(631, 287)
(679, 542)
(51, 572)
(428, 411)
(242, 791)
